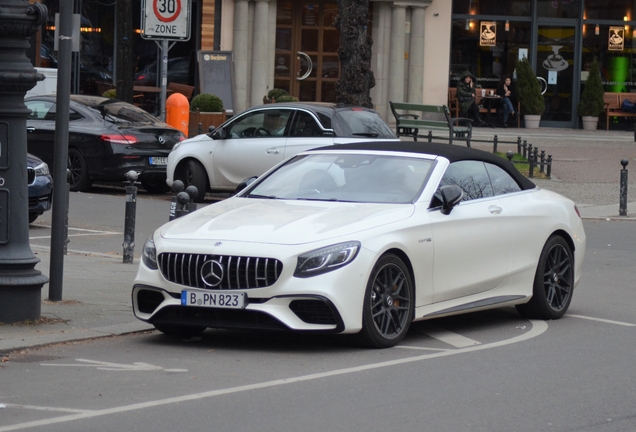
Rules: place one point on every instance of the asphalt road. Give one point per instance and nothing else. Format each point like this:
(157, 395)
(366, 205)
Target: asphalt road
(488, 371)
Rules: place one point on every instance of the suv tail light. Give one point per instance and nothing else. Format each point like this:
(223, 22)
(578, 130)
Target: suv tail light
(119, 139)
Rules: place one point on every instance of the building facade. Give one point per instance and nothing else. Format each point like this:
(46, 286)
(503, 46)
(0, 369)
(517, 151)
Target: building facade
(420, 47)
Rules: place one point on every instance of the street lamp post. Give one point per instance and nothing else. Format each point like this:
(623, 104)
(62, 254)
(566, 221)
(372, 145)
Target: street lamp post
(20, 283)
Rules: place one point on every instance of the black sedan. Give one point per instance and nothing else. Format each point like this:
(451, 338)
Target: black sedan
(40, 187)
(107, 138)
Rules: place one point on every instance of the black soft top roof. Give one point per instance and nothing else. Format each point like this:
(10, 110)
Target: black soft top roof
(451, 152)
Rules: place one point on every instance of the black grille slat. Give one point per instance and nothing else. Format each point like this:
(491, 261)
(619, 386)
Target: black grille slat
(238, 272)
(30, 175)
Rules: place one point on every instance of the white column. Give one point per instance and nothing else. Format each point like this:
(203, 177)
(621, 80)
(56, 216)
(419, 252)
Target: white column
(260, 64)
(416, 56)
(396, 54)
(240, 55)
(380, 57)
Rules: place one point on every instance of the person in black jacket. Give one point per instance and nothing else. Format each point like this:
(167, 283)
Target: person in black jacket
(506, 91)
(466, 98)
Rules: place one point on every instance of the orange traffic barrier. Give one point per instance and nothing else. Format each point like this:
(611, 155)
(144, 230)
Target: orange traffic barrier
(178, 112)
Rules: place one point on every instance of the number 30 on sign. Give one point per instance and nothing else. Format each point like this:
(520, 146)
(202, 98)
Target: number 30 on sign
(166, 19)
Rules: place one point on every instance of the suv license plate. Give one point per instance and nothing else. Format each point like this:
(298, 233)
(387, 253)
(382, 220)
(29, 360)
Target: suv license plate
(158, 161)
(213, 299)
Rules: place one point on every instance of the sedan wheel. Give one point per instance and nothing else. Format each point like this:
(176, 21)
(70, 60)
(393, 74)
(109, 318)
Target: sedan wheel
(193, 173)
(79, 181)
(553, 282)
(388, 304)
(155, 183)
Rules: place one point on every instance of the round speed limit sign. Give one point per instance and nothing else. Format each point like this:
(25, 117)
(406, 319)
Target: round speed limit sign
(166, 19)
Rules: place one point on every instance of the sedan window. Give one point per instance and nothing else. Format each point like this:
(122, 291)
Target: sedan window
(471, 176)
(305, 126)
(502, 182)
(52, 114)
(260, 124)
(39, 109)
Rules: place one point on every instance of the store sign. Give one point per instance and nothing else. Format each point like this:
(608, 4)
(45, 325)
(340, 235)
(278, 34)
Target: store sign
(487, 33)
(165, 19)
(616, 41)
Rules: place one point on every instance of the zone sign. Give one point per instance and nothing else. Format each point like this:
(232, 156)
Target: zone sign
(165, 19)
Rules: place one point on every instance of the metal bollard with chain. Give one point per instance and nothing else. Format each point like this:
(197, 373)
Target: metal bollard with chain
(192, 192)
(129, 222)
(622, 211)
(182, 204)
(177, 186)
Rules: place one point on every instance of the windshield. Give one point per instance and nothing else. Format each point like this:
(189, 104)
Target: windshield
(347, 177)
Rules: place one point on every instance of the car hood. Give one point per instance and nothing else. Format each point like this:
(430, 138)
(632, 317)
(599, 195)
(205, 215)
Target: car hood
(282, 221)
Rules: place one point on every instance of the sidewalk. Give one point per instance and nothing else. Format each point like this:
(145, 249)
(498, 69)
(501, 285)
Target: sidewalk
(97, 286)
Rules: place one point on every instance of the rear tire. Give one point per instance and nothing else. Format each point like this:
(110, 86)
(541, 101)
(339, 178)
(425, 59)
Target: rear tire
(387, 311)
(155, 183)
(553, 282)
(181, 331)
(80, 180)
(193, 174)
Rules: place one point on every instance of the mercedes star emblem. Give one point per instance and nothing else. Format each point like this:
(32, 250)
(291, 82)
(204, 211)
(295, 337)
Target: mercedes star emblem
(212, 273)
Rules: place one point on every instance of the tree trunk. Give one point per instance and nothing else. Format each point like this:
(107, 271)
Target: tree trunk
(124, 54)
(356, 77)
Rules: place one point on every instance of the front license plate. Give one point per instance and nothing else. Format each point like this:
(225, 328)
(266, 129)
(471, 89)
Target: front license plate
(158, 161)
(213, 299)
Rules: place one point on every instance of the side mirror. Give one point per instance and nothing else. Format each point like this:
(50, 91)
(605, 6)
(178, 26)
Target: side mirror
(215, 133)
(451, 196)
(245, 183)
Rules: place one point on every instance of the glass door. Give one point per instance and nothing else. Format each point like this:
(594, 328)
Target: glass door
(307, 42)
(556, 65)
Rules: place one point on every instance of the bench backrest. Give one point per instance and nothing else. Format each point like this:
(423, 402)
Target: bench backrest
(184, 89)
(612, 100)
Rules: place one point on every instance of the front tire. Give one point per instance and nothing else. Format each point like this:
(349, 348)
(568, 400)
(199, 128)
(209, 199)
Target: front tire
(387, 311)
(553, 282)
(193, 173)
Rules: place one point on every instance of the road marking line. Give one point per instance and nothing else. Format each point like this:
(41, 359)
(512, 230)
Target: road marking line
(448, 337)
(420, 348)
(538, 327)
(602, 320)
(39, 408)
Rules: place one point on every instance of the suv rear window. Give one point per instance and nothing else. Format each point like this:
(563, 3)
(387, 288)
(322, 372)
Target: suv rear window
(357, 122)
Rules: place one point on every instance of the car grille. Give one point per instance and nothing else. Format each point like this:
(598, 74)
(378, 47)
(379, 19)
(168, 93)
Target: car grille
(30, 176)
(237, 272)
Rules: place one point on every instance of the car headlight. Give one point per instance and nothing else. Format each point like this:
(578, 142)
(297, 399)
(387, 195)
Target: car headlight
(326, 259)
(42, 169)
(149, 254)
(176, 146)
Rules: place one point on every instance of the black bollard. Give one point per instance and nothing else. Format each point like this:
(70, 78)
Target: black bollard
(182, 200)
(495, 140)
(622, 211)
(430, 136)
(192, 192)
(542, 169)
(519, 145)
(525, 147)
(549, 171)
(177, 186)
(129, 223)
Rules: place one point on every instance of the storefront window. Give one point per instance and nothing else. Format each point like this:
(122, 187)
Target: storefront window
(493, 7)
(608, 9)
(615, 56)
(558, 8)
(488, 60)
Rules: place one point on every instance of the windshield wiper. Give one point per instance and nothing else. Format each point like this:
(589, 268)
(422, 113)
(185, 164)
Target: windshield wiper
(261, 196)
(366, 134)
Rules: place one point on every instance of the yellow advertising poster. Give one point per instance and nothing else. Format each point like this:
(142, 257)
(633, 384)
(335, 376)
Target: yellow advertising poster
(616, 41)
(488, 33)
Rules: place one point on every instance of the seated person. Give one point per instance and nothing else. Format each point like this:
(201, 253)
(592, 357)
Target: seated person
(466, 98)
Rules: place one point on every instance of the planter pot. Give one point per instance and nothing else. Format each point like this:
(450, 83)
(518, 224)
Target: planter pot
(531, 121)
(589, 122)
(205, 119)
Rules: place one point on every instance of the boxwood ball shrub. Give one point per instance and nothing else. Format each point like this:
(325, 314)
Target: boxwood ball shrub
(275, 93)
(286, 98)
(206, 102)
(111, 94)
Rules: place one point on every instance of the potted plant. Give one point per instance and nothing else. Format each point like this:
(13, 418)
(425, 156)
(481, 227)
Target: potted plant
(206, 109)
(592, 103)
(286, 98)
(529, 93)
(274, 94)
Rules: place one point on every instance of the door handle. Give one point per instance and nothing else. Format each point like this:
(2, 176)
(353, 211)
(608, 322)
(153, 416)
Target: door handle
(30, 129)
(494, 209)
(272, 151)
(310, 65)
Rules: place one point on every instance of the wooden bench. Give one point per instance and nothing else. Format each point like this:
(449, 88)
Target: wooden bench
(453, 104)
(184, 89)
(429, 118)
(613, 106)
